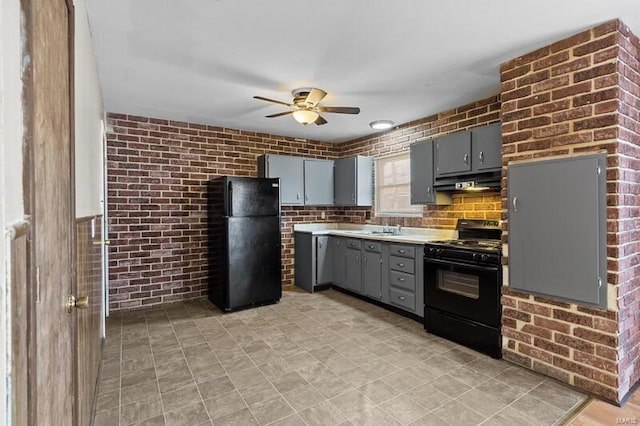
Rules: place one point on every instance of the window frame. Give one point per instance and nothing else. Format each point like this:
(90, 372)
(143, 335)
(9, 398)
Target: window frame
(417, 208)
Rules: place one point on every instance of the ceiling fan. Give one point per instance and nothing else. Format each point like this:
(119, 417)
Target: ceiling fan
(307, 111)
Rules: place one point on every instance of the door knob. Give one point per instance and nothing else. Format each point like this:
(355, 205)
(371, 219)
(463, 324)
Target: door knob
(80, 303)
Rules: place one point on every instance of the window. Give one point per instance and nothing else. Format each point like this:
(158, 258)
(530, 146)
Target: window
(393, 192)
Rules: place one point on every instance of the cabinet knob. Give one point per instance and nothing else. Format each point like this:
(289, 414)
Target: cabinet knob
(353, 196)
(320, 244)
(297, 195)
(401, 265)
(401, 251)
(306, 197)
(371, 246)
(428, 190)
(365, 259)
(401, 297)
(401, 279)
(481, 157)
(466, 159)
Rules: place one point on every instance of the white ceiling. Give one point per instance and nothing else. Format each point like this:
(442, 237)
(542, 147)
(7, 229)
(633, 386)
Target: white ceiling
(203, 60)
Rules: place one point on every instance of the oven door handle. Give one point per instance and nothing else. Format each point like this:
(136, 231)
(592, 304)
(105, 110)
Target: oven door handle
(464, 265)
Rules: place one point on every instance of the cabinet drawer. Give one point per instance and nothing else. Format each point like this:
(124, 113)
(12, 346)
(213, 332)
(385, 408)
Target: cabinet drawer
(401, 264)
(402, 298)
(402, 280)
(404, 251)
(372, 246)
(353, 244)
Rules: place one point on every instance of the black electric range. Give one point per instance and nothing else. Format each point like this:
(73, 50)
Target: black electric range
(462, 281)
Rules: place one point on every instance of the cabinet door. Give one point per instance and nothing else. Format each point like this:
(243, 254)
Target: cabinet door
(303, 253)
(421, 155)
(345, 182)
(290, 170)
(453, 154)
(323, 260)
(557, 225)
(338, 262)
(486, 146)
(354, 270)
(372, 274)
(318, 182)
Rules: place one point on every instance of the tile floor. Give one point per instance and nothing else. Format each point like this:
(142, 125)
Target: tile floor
(313, 359)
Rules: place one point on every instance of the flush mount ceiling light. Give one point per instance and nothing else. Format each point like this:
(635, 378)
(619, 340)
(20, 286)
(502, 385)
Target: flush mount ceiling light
(381, 124)
(305, 116)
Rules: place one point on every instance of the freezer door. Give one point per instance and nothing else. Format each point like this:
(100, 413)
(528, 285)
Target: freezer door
(254, 260)
(252, 197)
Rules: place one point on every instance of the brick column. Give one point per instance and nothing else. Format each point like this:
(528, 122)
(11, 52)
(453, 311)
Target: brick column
(568, 98)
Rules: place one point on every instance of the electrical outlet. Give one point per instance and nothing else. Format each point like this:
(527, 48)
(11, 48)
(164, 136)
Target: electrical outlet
(323, 215)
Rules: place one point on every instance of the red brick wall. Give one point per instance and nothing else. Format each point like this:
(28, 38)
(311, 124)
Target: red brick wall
(565, 99)
(628, 218)
(157, 172)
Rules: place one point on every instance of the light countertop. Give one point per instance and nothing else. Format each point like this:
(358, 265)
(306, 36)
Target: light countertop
(407, 235)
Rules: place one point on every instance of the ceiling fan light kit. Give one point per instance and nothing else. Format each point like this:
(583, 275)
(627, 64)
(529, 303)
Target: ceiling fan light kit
(306, 109)
(305, 116)
(381, 124)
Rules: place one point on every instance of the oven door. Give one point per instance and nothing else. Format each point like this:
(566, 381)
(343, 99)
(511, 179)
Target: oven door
(462, 289)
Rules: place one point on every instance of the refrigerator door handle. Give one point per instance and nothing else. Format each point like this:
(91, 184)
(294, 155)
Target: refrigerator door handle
(230, 199)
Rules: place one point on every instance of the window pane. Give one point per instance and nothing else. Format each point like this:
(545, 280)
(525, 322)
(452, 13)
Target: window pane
(393, 191)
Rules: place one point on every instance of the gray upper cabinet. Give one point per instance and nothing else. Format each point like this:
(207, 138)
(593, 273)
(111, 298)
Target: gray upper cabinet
(353, 184)
(486, 147)
(453, 154)
(422, 190)
(318, 182)
(338, 262)
(290, 170)
(557, 228)
(421, 155)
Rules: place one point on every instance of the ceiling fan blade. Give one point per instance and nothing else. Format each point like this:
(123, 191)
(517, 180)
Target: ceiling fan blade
(279, 114)
(340, 110)
(315, 96)
(320, 121)
(272, 100)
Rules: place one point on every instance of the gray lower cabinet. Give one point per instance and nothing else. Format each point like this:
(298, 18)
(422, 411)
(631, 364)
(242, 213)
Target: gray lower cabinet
(372, 270)
(338, 262)
(290, 170)
(312, 256)
(323, 260)
(353, 260)
(353, 181)
(318, 182)
(405, 277)
(383, 271)
(557, 228)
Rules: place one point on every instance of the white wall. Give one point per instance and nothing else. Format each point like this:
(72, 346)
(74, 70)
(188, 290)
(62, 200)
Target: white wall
(89, 111)
(11, 201)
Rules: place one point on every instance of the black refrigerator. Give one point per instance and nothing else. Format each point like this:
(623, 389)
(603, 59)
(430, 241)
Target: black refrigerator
(244, 242)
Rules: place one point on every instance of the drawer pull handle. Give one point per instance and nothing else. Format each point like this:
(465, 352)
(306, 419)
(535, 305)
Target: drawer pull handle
(401, 297)
(401, 265)
(401, 279)
(401, 251)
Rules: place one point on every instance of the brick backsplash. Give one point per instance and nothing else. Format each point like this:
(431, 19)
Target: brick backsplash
(157, 172)
(580, 95)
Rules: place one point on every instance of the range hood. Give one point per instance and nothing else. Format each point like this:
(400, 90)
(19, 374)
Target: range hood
(472, 182)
